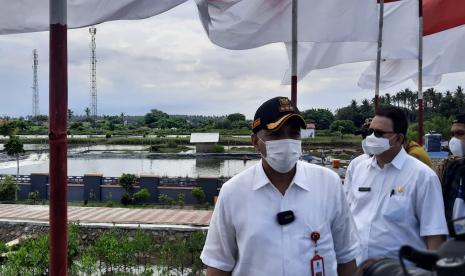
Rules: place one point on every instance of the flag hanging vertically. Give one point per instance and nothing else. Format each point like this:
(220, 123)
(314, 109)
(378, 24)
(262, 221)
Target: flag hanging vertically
(400, 40)
(245, 24)
(444, 37)
(22, 16)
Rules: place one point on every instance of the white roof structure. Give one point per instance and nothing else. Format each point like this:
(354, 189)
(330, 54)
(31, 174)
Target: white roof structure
(205, 138)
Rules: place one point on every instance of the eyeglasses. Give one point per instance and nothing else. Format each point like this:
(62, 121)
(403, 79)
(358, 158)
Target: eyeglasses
(378, 133)
(457, 133)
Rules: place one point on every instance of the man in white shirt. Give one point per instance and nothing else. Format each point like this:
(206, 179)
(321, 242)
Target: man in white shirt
(281, 216)
(395, 199)
(357, 160)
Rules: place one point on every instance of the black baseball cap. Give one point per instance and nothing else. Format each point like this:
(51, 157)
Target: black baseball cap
(272, 114)
(459, 118)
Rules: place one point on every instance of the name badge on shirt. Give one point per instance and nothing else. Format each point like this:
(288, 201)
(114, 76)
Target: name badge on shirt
(317, 264)
(364, 189)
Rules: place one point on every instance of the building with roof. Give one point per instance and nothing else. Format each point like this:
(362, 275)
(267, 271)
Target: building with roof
(309, 132)
(204, 142)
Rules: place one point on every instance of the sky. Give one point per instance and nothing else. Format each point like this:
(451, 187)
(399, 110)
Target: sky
(168, 63)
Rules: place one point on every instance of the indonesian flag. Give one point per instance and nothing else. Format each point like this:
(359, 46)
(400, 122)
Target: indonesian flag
(400, 41)
(245, 24)
(22, 16)
(443, 48)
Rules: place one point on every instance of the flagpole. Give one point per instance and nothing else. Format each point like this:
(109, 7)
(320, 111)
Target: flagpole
(58, 107)
(378, 55)
(294, 54)
(420, 74)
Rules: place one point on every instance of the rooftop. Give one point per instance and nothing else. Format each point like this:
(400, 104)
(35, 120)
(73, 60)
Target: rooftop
(204, 138)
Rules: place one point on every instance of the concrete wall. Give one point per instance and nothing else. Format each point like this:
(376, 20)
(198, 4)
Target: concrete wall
(92, 188)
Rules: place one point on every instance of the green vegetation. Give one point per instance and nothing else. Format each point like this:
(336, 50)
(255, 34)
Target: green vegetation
(141, 195)
(113, 253)
(198, 194)
(121, 129)
(166, 200)
(8, 189)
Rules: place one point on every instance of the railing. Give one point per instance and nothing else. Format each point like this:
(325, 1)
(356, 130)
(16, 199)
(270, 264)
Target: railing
(164, 181)
(110, 180)
(178, 181)
(75, 180)
(22, 179)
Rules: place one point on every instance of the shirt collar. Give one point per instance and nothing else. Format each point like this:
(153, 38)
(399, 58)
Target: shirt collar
(260, 179)
(397, 162)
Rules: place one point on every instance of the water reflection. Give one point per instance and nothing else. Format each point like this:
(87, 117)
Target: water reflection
(116, 166)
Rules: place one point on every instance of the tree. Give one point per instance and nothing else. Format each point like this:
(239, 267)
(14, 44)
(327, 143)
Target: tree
(70, 114)
(154, 116)
(343, 126)
(14, 147)
(7, 128)
(236, 117)
(322, 117)
(87, 111)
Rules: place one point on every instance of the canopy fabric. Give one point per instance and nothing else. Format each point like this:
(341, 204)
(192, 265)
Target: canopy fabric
(400, 41)
(23, 16)
(245, 24)
(444, 37)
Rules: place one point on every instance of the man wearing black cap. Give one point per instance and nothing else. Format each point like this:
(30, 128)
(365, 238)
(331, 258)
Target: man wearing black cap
(452, 170)
(281, 216)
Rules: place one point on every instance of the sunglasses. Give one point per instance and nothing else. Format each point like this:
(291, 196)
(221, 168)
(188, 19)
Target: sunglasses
(458, 133)
(378, 133)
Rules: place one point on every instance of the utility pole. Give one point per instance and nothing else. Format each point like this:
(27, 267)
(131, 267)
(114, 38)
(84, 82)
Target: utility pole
(93, 76)
(35, 85)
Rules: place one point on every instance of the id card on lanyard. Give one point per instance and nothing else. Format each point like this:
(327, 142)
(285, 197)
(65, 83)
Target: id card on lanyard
(317, 264)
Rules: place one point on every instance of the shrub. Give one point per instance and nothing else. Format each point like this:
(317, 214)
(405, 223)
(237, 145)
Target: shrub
(8, 189)
(218, 149)
(126, 199)
(141, 195)
(198, 194)
(30, 259)
(182, 256)
(181, 200)
(166, 200)
(127, 181)
(33, 196)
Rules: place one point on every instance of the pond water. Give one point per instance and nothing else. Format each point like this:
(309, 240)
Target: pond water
(136, 163)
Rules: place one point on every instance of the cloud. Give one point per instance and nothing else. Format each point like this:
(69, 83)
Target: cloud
(168, 63)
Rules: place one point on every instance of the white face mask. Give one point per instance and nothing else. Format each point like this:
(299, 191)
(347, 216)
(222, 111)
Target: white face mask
(376, 145)
(364, 147)
(456, 147)
(282, 155)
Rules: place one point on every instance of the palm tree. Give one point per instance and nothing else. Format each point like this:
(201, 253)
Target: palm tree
(14, 147)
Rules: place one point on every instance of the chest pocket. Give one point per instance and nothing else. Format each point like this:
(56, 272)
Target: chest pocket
(397, 208)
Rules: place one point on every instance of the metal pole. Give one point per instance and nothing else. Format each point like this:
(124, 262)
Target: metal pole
(58, 101)
(294, 53)
(420, 75)
(378, 55)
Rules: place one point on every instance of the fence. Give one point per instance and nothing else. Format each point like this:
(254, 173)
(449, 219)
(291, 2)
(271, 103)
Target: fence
(96, 187)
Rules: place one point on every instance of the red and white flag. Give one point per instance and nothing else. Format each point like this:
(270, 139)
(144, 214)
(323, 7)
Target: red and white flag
(400, 41)
(22, 16)
(245, 24)
(443, 48)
